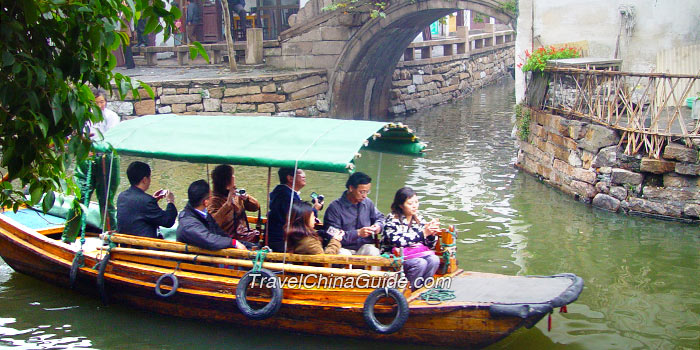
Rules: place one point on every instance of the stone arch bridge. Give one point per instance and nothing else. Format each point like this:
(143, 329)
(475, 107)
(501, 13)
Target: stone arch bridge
(360, 52)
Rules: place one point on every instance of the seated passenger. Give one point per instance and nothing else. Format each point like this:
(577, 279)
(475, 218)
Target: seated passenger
(228, 207)
(301, 236)
(198, 228)
(290, 185)
(355, 214)
(405, 228)
(138, 213)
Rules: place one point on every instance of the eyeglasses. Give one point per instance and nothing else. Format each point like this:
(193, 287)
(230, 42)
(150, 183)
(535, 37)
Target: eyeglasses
(365, 192)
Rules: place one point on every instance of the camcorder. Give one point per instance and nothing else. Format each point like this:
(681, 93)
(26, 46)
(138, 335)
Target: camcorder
(240, 191)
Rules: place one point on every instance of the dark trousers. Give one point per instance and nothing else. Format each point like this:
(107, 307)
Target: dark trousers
(140, 29)
(129, 57)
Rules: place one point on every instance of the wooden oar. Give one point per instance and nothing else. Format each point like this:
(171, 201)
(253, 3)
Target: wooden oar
(247, 263)
(245, 254)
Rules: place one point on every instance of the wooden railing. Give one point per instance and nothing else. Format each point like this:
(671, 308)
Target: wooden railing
(462, 45)
(648, 109)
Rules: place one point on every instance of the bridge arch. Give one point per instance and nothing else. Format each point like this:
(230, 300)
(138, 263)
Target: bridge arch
(361, 79)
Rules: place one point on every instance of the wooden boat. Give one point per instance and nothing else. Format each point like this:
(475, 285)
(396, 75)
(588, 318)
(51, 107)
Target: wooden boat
(177, 279)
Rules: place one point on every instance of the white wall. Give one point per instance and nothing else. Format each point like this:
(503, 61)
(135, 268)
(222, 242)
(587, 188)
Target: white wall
(660, 25)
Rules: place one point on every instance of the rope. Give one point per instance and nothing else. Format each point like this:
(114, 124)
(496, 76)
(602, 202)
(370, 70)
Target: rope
(259, 258)
(107, 190)
(79, 257)
(435, 296)
(397, 262)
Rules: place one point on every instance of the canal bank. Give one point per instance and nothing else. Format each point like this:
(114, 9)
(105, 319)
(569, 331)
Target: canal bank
(640, 291)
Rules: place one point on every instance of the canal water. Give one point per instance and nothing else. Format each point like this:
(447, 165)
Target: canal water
(642, 283)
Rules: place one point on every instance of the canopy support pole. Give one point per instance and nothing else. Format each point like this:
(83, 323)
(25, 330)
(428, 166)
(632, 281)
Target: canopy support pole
(379, 173)
(267, 226)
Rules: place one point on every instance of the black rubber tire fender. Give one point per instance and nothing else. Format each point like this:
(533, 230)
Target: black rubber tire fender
(74, 269)
(401, 313)
(101, 279)
(172, 291)
(242, 290)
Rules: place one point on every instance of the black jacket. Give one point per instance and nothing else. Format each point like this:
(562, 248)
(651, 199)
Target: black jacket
(277, 217)
(139, 214)
(201, 232)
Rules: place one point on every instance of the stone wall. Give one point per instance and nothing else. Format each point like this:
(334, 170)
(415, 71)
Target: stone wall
(421, 84)
(583, 159)
(291, 94)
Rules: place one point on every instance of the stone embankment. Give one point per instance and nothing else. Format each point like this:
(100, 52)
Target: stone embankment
(417, 86)
(584, 160)
(293, 94)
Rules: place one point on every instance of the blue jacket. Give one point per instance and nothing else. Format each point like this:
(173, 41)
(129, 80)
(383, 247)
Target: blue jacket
(139, 214)
(349, 217)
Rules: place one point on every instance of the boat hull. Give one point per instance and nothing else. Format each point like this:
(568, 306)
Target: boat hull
(132, 283)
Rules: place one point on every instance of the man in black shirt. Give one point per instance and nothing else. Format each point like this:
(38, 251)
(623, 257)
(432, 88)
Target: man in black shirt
(138, 213)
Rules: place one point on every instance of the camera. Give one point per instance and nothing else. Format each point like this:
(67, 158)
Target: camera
(160, 194)
(315, 197)
(240, 191)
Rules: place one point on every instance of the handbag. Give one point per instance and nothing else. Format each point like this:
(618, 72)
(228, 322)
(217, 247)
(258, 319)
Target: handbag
(417, 250)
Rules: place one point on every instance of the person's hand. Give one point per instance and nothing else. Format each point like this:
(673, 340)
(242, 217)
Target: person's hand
(432, 228)
(244, 196)
(240, 245)
(318, 205)
(376, 229)
(365, 231)
(231, 195)
(169, 196)
(339, 235)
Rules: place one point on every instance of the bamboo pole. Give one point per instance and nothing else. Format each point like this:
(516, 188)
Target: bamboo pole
(245, 254)
(249, 264)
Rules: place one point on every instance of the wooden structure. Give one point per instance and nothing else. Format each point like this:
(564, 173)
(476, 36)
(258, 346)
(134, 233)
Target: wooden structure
(647, 108)
(207, 284)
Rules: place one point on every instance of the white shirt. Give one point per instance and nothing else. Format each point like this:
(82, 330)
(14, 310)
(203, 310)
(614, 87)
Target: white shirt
(110, 120)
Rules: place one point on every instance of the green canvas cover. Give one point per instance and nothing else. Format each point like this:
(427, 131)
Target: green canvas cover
(316, 143)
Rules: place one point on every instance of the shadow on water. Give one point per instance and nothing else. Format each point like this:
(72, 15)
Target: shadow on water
(641, 275)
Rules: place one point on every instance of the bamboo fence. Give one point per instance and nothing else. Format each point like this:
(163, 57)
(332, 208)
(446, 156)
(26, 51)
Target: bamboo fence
(648, 109)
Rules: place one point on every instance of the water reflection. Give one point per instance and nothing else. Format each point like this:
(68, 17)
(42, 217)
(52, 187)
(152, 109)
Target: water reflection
(641, 275)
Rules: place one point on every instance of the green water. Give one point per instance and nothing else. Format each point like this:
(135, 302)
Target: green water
(642, 286)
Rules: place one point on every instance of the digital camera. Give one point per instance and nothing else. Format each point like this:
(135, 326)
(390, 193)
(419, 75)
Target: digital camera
(240, 191)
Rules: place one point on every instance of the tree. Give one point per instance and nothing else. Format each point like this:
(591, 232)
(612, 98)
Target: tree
(51, 53)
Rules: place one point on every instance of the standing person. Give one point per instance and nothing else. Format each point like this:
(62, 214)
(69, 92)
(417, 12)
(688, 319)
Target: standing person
(140, 35)
(109, 118)
(103, 169)
(228, 207)
(405, 228)
(355, 214)
(197, 227)
(290, 185)
(238, 6)
(137, 212)
(177, 31)
(193, 19)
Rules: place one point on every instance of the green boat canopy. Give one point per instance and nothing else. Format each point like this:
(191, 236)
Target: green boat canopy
(315, 143)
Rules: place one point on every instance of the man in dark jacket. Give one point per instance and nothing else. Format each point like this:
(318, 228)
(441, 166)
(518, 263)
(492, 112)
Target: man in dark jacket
(355, 214)
(290, 185)
(138, 213)
(193, 19)
(198, 228)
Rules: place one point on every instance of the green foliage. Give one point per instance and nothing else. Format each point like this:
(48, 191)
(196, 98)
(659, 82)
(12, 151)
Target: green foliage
(375, 8)
(537, 60)
(510, 7)
(51, 53)
(478, 18)
(523, 118)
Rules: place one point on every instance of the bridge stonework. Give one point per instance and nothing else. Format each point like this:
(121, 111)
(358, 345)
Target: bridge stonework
(361, 53)
(583, 159)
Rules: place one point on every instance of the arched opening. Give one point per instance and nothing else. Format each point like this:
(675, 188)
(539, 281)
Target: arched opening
(361, 80)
